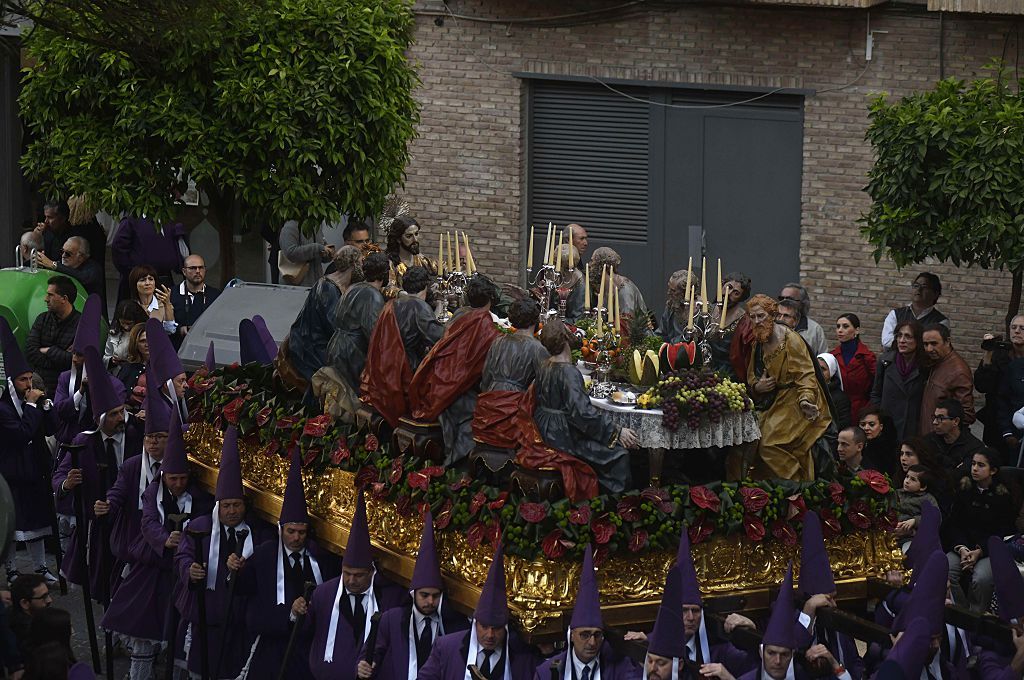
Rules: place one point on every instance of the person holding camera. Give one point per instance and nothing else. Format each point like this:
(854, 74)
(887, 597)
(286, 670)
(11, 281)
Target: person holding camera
(1000, 377)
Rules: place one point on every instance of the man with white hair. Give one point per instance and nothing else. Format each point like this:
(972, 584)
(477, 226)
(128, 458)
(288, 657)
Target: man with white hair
(30, 240)
(76, 262)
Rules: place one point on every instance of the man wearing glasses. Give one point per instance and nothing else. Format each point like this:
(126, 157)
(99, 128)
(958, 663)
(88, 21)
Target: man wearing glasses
(75, 261)
(30, 594)
(954, 444)
(924, 293)
(191, 297)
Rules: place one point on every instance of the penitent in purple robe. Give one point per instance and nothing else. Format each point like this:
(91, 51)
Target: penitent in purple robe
(140, 605)
(25, 463)
(72, 417)
(448, 659)
(347, 650)
(125, 501)
(613, 666)
(391, 654)
(272, 621)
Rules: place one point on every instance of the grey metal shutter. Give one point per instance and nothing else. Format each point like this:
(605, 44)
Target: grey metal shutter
(588, 159)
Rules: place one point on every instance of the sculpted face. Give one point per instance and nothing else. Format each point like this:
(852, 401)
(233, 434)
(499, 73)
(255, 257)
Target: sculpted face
(763, 323)
(410, 240)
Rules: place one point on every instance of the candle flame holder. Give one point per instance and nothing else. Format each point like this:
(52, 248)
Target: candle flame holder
(452, 287)
(550, 280)
(705, 328)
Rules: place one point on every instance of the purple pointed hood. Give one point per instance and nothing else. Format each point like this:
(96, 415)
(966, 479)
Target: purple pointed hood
(14, 360)
(158, 412)
(492, 607)
(103, 394)
(911, 651)
(587, 611)
(81, 671)
(358, 553)
(779, 631)
(269, 344)
(250, 346)
(88, 333)
(926, 540)
(687, 572)
(162, 357)
(1008, 581)
(427, 572)
(668, 639)
(293, 507)
(211, 359)
(928, 598)
(175, 459)
(815, 569)
(229, 478)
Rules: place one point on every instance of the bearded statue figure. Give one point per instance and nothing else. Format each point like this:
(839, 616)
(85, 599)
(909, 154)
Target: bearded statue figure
(792, 408)
(403, 249)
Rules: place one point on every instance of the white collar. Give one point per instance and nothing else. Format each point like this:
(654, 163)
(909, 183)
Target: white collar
(185, 290)
(595, 666)
(284, 554)
(369, 607)
(473, 654)
(213, 556)
(935, 667)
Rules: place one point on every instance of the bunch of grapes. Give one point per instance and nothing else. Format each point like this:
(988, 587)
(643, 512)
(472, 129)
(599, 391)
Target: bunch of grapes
(693, 395)
(670, 415)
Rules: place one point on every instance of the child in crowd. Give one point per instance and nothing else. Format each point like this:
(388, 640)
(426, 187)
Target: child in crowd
(909, 500)
(126, 315)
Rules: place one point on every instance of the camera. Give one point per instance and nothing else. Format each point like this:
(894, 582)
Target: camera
(995, 343)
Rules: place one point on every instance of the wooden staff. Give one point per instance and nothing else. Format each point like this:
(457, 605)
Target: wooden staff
(232, 581)
(307, 592)
(80, 558)
(204, 641)
(171, 620)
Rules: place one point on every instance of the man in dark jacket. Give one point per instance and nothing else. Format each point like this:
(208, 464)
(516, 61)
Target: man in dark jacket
(49, 341)
(191, 297)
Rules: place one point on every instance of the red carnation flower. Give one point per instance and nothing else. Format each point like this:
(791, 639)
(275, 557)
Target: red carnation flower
(367, 475)
(704, 497)
(580, 515)
(532, 512)
(312, 453)
(603, 529)
(478, 501)
(263, 416)
(875, 480)
(378, 490)
(318, 426)
(418, 480)
(273, 447)
(491, 532)
(700, 531)
(859, 515)
(499, 502)
(341, 452)
(552, 545)
(444, 516)
(396, 471)
(371, 443)
(475, 535)
(629, 508)
(233, 409)
(753, 527)
(784, 531)
(838, 493)
(754, 498)
(638, 540)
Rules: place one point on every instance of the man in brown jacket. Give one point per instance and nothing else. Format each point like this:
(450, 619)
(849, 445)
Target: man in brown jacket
(949, 378)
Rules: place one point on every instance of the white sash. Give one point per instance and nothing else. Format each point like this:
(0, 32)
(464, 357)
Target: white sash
(282, 557)
(160, 504)
(213, 556)
(145, 475)
(474, 652)
(14, 398)
(413, 667)
(332, 632)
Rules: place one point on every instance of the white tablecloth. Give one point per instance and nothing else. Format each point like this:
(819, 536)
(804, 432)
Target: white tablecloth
(732, 429)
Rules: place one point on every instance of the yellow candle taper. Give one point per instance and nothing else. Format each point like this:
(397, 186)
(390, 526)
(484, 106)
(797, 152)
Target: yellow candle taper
(725, 306)
(611, 296)
(529, 254)
(551, 256)
(704, 283)
(547, 245)
(718, 288)
(586, 289)
(440, 260)
(689, 275)
(469, 254)
(568, 241)
(618, 320)
(451, 255)
(558, 254)
(689, 320)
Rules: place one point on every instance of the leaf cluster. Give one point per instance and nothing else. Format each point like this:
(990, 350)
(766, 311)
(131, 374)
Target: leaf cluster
(948, 177)
(296, 109)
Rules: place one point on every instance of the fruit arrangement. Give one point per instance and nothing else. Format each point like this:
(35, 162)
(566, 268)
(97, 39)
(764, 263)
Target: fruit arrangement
(693, 395)
(643, 369)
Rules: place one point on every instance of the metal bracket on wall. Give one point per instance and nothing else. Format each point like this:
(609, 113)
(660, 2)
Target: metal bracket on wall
(869, 41)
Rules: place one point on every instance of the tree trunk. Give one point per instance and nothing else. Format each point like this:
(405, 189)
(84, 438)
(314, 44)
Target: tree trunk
(223, 204)
(1015, 291)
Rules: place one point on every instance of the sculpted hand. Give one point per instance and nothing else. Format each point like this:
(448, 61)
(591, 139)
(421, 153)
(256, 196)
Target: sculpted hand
(809, 410)
(764, 384)
(628, 438)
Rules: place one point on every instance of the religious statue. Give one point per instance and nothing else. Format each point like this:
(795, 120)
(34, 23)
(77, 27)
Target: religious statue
(403, 244)
(791, 404)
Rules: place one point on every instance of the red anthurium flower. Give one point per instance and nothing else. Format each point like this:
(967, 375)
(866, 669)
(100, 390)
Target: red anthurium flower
(753, 527)
(704, 497)
(875, 480)
(532, 512)
(753, 498)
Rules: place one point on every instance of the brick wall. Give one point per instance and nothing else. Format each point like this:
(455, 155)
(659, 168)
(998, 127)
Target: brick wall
(467, 164)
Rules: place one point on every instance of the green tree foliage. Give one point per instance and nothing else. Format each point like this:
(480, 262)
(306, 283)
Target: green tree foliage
(948, 179)
(278, 109)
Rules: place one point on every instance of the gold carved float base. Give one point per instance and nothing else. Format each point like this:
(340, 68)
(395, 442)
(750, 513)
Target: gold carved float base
(541, 593)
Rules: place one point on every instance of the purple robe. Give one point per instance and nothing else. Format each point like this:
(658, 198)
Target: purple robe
(391, 653)
(138, 242)
(92, 491)
(140, 605)
(347, 651)
(613, 666)
(271, 621)
(125, 514)
(25, 462)
(239, 641)
(448, 659)
(993, 666)
(71, 420)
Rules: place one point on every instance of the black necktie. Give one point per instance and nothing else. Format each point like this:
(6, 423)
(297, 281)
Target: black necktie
(586, 673)
(358, 616)
(156, 469)
(111, 452)
(486, 668)
(297, 575)
(424, 642)
(230, 544)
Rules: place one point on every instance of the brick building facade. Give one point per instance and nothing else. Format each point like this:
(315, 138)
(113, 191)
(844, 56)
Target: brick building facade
(468, 163)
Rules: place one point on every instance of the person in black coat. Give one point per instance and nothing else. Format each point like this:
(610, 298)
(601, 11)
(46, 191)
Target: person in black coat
(900, 376)
(829, 366)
